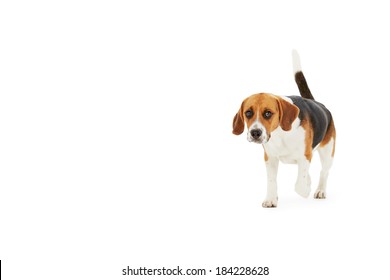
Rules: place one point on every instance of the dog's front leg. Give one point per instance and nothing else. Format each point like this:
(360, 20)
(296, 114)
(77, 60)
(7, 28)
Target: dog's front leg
(271, 200)
(302, 186)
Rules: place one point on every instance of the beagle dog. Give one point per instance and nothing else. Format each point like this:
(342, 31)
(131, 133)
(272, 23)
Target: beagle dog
(289, 128)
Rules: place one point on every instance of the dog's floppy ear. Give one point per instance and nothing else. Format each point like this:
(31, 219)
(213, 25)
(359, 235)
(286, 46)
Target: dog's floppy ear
(238, 121)
(288, 113)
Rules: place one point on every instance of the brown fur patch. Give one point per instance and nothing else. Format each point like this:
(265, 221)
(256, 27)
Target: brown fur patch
(288, 113)
(265, 156)
(330, 133)
(307, 126)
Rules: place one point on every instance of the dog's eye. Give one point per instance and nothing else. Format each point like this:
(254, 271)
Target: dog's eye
(267, 114)
(249, 114)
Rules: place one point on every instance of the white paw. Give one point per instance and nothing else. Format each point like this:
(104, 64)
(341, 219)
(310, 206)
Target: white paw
(270, 203)
(302, 189)
(320, 194)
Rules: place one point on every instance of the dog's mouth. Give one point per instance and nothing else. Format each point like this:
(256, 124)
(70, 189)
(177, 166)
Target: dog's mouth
(256, 141)
(261, 140)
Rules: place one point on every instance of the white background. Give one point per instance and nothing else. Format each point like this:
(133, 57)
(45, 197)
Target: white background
(116, 146)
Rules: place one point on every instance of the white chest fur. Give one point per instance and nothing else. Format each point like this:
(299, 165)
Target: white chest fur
(287, 146)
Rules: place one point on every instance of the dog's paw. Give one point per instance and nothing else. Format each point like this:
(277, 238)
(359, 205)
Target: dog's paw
(270, 203)
(302, 189)
(320, 194)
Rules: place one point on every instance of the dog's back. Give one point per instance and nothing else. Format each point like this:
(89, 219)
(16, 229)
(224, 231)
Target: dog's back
(312, 111)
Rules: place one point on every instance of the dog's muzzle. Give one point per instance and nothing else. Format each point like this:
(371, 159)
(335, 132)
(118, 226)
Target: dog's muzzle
(257, 135)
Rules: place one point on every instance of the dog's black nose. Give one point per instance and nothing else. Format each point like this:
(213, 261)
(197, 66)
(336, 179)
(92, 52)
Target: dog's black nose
(256, 133)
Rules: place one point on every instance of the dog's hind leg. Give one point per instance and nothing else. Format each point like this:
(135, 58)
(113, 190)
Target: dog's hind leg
(326, 157)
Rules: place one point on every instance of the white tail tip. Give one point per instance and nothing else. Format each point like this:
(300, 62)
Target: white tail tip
(296, 62)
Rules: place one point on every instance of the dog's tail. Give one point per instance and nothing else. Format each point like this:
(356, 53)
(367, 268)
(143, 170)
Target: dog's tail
(299, 77)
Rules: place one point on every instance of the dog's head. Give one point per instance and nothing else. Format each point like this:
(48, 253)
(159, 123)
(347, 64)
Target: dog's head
(263, 113)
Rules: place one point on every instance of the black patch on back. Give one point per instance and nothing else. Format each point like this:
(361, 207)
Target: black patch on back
(319, 116)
